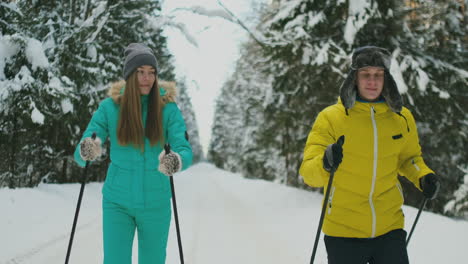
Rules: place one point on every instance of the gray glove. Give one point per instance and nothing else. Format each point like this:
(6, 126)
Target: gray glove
(90, 149)
(169, 162)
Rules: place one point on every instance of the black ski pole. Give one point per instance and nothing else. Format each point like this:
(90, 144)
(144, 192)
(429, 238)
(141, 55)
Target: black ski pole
(80, 197)
(421, 207)
(167, 148)
(324, 206)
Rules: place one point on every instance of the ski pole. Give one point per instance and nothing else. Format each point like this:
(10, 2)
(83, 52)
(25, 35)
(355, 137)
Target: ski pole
(167, 148)
(421, 207)
(324, 206)
(80, 197)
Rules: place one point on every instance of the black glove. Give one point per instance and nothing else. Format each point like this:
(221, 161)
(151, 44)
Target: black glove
(430, 185)
(333, 155)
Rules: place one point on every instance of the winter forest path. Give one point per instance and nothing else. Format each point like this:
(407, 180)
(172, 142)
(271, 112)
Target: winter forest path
(227, 226)
(224, 218)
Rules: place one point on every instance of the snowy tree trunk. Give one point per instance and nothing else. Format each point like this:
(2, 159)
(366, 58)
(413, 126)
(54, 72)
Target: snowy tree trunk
(88, 9)
(72, 11)
(64, 168)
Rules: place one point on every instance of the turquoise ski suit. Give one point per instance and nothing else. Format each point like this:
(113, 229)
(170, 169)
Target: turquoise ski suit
(135, 194)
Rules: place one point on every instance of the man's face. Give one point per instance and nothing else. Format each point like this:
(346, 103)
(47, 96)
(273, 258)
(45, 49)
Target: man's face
(370, 82)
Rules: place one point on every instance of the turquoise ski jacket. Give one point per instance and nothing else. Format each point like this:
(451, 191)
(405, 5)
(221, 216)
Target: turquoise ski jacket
(133, 179)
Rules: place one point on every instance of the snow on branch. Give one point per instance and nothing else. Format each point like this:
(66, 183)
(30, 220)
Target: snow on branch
(101, 23)
(207, 12)
(12, 6)
(160, 22)
(227, 15)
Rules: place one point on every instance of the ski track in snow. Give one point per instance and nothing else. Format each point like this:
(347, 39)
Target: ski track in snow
(215, 204)
(31, 255)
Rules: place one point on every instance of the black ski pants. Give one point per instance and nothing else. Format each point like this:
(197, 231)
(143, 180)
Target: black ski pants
(389, 248)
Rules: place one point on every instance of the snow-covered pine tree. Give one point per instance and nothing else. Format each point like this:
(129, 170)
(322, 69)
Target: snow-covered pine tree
(458, 206)
(34, 95)
(234, 143)
(433, 60)
(307, 47)
(226, 123)
(185, 105)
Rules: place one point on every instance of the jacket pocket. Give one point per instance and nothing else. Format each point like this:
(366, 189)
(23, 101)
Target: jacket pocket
(330, 200)
(120, 178)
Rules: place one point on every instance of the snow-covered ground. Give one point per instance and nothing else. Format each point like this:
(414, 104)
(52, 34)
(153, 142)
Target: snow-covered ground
(224, 219)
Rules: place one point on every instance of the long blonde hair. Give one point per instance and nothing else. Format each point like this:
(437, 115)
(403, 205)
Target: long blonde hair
(130, 126)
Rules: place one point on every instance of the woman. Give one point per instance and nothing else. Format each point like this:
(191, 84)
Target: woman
(138, 118)
(364, 221)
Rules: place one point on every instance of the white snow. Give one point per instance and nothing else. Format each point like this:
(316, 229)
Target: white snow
(35, 54)
(423, 80)
(36, 115)
(91, 52)
(322, 54)
(284, 10)
(100, 24)
(314, 19)
(55, 83)
(95, 14)
(307, 53)
(12, 6)
(444, 95)
(460, 195)
(22, 78)
(396, 71)
(67, 106)
(224, 218)
(359, 11)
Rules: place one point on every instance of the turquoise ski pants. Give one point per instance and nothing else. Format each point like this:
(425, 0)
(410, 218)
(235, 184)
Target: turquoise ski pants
(119, 224)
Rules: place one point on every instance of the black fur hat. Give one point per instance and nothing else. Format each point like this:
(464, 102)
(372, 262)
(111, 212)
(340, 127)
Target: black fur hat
(376, 57)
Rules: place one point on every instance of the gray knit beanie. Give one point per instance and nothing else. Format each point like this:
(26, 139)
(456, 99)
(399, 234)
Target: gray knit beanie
(136, 55)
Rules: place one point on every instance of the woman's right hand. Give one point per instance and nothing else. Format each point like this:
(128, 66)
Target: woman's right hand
(90, 149)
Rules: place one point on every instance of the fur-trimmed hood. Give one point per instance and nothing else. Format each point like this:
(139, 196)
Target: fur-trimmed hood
(377, 57)
(167, 90)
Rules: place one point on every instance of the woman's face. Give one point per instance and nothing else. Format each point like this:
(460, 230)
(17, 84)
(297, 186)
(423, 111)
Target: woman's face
(146, 76)
(370, 82)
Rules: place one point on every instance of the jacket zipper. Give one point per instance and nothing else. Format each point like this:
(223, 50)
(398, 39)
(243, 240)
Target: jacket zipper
(415, 165)
(330, 198)
(374, 172)
(400, 190)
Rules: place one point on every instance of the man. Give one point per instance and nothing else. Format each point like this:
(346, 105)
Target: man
(364, 220)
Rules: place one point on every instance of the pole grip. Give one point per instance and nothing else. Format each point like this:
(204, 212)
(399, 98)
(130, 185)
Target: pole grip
(167, 148)
(341, 140)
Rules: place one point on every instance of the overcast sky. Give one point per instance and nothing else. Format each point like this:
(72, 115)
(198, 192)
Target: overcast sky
(207, 66)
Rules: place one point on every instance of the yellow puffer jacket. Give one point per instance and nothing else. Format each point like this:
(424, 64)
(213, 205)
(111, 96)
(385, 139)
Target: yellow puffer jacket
(366, 198)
